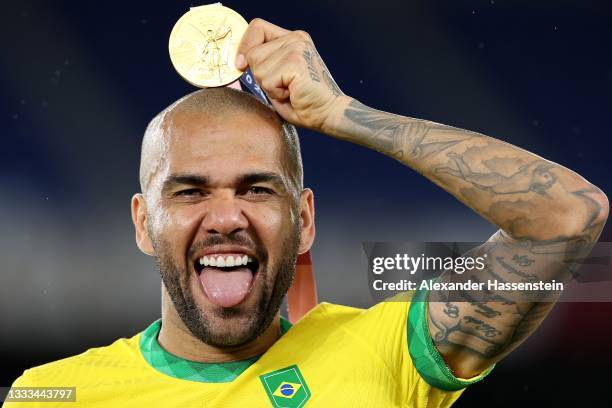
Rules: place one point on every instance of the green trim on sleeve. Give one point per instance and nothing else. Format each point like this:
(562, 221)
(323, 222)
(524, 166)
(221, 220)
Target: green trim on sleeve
(426, 359)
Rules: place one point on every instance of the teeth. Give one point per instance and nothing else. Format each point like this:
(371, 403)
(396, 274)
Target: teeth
(229, 261)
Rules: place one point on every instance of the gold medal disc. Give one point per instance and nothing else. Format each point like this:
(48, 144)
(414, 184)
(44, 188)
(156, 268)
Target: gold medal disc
(203, 45)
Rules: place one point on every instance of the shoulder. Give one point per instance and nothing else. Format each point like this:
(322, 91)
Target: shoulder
(396, 304)
(122, 353)
(378, 320)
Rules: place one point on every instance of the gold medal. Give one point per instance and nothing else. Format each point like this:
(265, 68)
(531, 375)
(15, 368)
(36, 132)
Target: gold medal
(203, 45)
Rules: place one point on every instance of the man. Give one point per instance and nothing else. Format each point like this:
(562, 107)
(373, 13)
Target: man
(224, 212)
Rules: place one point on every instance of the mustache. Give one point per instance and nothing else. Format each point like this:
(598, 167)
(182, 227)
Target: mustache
(239, 239)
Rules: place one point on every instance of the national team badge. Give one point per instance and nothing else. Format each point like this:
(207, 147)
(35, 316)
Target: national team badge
(286, 387)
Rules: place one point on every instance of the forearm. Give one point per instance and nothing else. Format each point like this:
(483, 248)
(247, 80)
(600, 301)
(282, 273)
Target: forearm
(522, 193)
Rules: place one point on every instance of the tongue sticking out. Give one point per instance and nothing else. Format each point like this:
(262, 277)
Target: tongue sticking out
(226, 288)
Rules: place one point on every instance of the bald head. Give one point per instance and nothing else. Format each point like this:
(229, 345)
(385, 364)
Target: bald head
(224, 102)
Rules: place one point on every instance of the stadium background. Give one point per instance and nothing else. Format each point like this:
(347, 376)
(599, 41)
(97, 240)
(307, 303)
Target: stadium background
(80, 80)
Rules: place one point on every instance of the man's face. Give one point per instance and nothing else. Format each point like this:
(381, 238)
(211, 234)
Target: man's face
(223, 194)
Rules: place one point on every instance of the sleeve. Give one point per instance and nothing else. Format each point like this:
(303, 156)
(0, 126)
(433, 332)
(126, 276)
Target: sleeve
(426, 359)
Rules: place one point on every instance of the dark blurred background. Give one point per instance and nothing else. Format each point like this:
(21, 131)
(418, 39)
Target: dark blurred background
(81, 80)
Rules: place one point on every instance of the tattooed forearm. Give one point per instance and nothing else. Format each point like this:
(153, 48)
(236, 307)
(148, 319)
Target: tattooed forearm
(523, 194)
(400, 137)
(547, 215)
(535, 176)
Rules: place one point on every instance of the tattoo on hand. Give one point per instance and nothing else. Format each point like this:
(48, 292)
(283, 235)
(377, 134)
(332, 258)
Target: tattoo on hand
(310, 64)
(315, 65)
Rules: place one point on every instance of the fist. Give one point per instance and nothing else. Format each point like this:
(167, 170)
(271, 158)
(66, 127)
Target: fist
(287, 66)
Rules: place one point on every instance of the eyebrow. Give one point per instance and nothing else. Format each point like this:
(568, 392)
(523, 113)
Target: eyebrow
(259, 177)
(175, 180)
(202, 181)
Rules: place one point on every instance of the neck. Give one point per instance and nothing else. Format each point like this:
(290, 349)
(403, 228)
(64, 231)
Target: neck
(176, 339)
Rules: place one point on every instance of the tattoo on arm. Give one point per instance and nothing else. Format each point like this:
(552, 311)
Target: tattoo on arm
(510, 187)
(522, 260)
(489, 328)
(451, 310)
(548, 217)
(331, 84)
(485, 309)
(525, 277)
(485, 328)
(402, 137)
(535, 176)
(450, 329)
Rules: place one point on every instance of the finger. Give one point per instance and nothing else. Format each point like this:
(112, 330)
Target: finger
(274, 70)
(275, 89)
(258, 32)
(285, 110)
(275, 79)
(261, 54)
(270, 54)
(280, 58)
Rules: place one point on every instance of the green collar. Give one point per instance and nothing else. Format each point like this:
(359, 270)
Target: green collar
(177, 367)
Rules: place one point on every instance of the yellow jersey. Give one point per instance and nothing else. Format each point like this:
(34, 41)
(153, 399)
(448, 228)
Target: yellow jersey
(335, 356)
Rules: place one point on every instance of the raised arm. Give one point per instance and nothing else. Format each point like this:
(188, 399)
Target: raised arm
(547, 214)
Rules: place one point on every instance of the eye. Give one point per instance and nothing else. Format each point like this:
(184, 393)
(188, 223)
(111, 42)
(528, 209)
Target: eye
(257, 190)
(190, 192)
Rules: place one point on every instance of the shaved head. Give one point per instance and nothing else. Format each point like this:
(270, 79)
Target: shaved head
(221, 171)
(224, 102)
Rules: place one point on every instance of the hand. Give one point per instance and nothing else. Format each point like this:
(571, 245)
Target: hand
(289, 69)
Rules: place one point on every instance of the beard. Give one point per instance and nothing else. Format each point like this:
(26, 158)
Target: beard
(212, 327)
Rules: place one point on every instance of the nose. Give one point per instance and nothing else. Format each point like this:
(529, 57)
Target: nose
(224, 216)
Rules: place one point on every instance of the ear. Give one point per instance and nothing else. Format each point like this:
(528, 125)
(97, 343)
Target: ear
(307, 213)
(139, 218)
